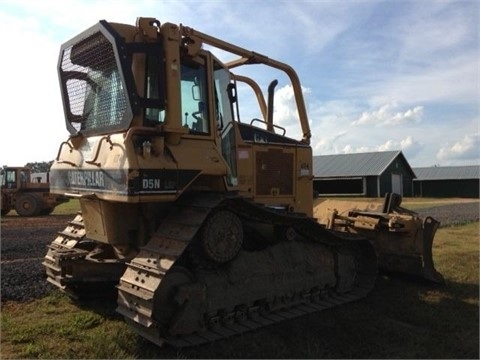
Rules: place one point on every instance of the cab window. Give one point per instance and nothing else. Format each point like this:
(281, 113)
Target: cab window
(10, 179)
(194, 98)
(154, 115)
(223, 105)
(224, 116)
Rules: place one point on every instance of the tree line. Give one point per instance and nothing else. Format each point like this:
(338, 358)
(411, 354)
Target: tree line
(37, 167)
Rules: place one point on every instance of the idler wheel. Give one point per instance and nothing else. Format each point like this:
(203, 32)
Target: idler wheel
(221, 237)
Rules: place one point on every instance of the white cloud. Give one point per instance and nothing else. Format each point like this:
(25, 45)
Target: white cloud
(333, 132)
(430, 25)
(449, 80)
(319, 24)
(467, 148)
(429, 52)
(327, 144)
(344, 143)
(69, 17)
(285, 113)
(285, 110)
(387, 116)
(388, 146)
(409, 146)
(349, 149)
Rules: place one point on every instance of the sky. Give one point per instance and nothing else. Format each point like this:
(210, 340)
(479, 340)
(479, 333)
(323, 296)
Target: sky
(376, 75)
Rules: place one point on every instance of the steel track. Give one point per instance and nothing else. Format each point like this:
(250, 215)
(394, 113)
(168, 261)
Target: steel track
(145, 273)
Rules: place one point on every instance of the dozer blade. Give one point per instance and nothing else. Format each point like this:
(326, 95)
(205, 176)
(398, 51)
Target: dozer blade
(430, 226)
(409, 252)
(402, 240)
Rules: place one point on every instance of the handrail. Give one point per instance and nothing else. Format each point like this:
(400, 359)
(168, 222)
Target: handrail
(266, 123)
(106, 138)
(138, 129)
(61, 147)
(60, 150)
(251, 57)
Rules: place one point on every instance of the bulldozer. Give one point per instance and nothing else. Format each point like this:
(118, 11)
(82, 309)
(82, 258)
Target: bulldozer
(201, 223)
(26, 197)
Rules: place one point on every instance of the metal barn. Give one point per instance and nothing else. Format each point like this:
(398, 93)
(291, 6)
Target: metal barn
(447, 181)
(371, 174)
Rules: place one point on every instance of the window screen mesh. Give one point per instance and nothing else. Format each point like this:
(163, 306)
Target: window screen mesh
(94, 89)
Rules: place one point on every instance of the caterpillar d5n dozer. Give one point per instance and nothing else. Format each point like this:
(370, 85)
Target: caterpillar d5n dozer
(202, 223)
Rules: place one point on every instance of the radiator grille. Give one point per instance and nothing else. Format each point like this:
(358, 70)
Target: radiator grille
(274, 172)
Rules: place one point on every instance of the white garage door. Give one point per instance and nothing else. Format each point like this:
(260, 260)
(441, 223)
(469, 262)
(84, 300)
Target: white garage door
(397, 184)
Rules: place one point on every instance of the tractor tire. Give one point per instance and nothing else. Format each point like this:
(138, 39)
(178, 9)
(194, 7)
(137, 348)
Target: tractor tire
(28, 205)
(5, 209)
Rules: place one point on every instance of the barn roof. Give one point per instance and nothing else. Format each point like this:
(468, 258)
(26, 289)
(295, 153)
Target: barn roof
(352, 165)
(447, 172)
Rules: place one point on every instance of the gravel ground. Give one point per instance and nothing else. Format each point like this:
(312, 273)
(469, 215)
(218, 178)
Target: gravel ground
(455, 214)
(24, 244)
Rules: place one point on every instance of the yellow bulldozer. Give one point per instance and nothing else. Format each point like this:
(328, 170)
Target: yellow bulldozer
(26, 197)
(200, 221)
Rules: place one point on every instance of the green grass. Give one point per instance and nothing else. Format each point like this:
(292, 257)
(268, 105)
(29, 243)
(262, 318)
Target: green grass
(72, 206)
(401, 318)
(422, 203)
(55, 327)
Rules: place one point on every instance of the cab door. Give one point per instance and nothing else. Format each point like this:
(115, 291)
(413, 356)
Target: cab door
(225, 116)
